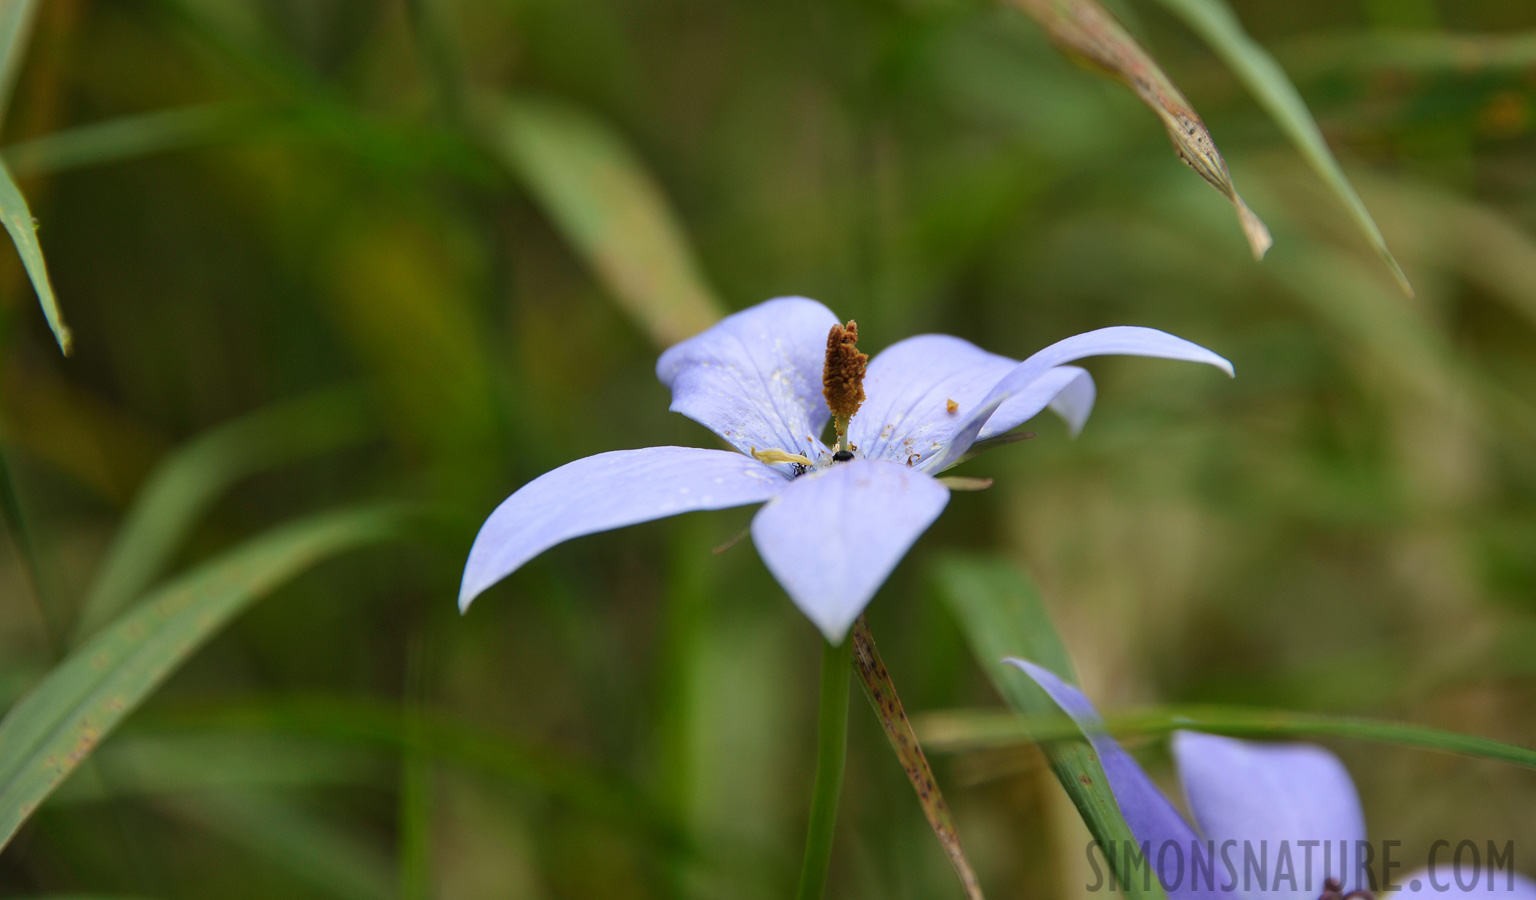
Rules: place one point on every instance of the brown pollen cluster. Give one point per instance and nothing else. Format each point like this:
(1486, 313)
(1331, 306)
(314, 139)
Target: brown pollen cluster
(842, 378)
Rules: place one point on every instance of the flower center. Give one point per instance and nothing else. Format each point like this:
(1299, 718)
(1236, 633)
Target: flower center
(842, 382)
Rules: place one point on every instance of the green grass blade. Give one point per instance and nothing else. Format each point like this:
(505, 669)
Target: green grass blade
(57, 725)
(148, 765)
(955, 731)
(1009, 594)
(605, 203)
(129, 137)
(1084, 29)
(19, 222)
(184, 486)
(1001, 615)
(1216, 24)
(16, 17)
(1430, 52)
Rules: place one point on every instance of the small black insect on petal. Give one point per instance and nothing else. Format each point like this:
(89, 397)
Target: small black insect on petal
(798, 468)
(842, 456)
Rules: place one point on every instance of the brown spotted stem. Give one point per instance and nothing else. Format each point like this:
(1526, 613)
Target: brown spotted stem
(881, 692)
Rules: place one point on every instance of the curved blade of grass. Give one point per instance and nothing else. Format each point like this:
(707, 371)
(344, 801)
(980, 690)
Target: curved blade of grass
(1086, 30)
(1001, 615)
(146, 765)
(1313, 56)
(186, 484)
(130, 136)
(600, 197)
(958, 731)
(1488, 246)
(57, 725)
(1216, 24)
(19, 222)
(401, 145)
(881, 692)
(15, 28)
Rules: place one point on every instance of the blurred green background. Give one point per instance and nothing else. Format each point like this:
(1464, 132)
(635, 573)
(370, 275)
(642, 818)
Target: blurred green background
(319, 254)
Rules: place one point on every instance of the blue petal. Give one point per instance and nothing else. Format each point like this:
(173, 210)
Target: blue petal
(831, 537)
(1073, 401)
(1121, 340)
(911, 384)
(606, 491)
(1152, 819)
(1068, 391)
(754, 378)
(1483, 881)
(1278, 794)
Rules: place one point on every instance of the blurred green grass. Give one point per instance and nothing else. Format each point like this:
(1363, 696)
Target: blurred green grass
(247, 203)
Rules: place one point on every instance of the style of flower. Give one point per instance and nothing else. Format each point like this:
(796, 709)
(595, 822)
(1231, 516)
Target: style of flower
(836, 520)
(1256, 803)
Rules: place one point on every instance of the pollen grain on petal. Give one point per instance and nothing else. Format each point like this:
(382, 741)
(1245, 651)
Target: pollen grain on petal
(842, 378)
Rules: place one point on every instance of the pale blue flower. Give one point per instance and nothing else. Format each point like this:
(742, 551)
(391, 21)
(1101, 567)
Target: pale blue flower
(830, 531)
(1265, 799)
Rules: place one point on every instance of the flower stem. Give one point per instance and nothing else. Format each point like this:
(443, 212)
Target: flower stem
(831, 746)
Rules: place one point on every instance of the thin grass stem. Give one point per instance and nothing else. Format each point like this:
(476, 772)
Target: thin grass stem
(831, 753)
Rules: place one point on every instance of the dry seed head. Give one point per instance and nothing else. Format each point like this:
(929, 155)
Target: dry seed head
(842, 378)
